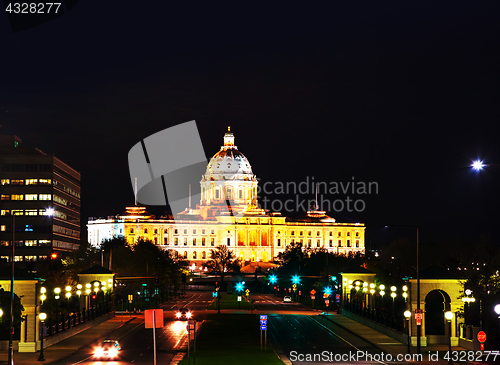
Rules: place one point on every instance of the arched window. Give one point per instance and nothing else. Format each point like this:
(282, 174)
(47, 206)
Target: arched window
(185, 254)
(194, 255)
(203, 255)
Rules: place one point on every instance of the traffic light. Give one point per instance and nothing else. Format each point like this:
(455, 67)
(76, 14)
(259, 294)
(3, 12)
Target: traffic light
(94, 296)
(53, 256)
(296, 279)
(273, 279)
(157, 278)
(327, 291)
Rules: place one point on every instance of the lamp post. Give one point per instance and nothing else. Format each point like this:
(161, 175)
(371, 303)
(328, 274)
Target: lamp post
(42, 317)
(57, 291)
(497, 310)
(407, 315)
(419, 326)
(449, 316)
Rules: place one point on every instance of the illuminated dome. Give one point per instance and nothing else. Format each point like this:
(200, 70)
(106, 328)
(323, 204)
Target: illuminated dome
(229, 163)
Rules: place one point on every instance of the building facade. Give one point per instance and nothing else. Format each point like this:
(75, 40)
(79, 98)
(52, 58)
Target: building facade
(40, 197)
(229, 214)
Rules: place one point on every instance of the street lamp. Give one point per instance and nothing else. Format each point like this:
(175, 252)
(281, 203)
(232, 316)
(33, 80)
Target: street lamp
(419, 326)
(477, 165)
(42, 317)
(407, 315)
(449, 316)
(497, 310)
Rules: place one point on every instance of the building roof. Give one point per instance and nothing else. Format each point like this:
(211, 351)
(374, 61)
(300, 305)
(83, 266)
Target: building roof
(96, 269)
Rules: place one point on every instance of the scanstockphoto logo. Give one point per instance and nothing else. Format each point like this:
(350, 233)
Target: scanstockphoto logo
(334, 196)
(164, 165)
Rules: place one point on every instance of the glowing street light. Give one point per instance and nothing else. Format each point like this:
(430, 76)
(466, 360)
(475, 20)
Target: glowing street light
(407, 315)
(42, 317)
(327, 291)
(240, 287)
(296, 279)
(273, 279)
(449, 316)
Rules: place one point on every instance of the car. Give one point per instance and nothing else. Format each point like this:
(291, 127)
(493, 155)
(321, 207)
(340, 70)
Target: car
(287, 299)
(184, 314)
(107, 350)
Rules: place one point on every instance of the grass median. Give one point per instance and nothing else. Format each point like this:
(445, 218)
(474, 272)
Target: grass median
(231, 339)
(230, 301)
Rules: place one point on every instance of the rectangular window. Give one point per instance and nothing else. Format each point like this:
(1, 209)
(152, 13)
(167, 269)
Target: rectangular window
(348, 243)
(18, 258)
(156, 231)
(194, 241)
(165, 241)
(240, 194)
(28, 228)
(203, 241)
(31, 212)
(30, 258)
(31, 196)
(194, 231)
(293, 233)
(229, 241)
(279, 242)
(30, 243)
(2, 228)
(317, 243)
(331, 243)
(202, 231)
(4, 243)
(45, 181)
(340, 243)
(176, 241)
(17, 182)
(213, 232)
(17, 197)
(44, 242)
(185, 231)
(5, 197)
(176, 231)
(185, 241)
(217, 194)
(4, 212)
(357, 243)
(5, 181)
(212, 242)
(17, 212)
(45, 197)
(31, 181)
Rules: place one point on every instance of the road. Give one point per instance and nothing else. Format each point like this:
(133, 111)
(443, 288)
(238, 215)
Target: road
(270, 304)
(137, 342)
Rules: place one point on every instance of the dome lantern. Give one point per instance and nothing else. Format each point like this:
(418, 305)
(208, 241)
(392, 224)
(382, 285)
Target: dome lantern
(228, 138)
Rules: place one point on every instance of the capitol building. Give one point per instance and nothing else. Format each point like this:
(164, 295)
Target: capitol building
(229, 214)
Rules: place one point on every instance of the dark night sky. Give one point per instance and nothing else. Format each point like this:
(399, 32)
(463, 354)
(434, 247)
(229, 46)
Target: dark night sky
(402, 93)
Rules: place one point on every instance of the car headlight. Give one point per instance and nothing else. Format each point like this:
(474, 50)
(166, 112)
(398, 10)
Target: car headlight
(113, 352)
(188, 314)
(98, 352)
(179, 314)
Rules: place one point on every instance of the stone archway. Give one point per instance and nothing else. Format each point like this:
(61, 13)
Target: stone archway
(437, 302)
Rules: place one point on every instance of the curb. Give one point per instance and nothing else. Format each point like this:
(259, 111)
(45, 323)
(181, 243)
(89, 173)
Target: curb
(88, 343)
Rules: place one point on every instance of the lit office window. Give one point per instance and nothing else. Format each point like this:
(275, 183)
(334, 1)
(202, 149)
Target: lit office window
(28, 228)
(31, 181)
(29, 258)
(17, 197)
(5, 197)
(5, 181)
(2, 228)
(45, 181)
(43, 242)
(31, 212)
(17, 182)
(18, 258)
(30, 243)
(4, 243)
(17, 212)
(45, 197)
(31, 197)
(4, 212)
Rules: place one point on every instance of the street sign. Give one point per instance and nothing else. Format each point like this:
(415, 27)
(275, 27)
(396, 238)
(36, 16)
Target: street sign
(327, 302)
(313, 297)
(158, 318)
(418, 318)
(263, 317)
(313, 292)
(337, 298)
(481, 336)
(263, 327)
(214, 294)
(239, 298)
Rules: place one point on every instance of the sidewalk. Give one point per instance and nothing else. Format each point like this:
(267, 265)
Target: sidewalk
(385, 343)
(70, 345)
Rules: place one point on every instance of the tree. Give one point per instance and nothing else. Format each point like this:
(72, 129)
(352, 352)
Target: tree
(5, 297)
(223, 260)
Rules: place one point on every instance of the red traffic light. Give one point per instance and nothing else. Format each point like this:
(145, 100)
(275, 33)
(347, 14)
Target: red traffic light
(53, 256)
(94, 296)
